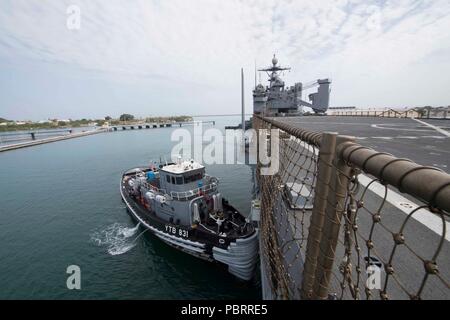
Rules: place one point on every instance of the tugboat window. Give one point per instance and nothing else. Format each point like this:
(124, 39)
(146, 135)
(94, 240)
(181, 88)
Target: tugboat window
(168, 179)
(193, 178)
(179, 180)
(173, 180)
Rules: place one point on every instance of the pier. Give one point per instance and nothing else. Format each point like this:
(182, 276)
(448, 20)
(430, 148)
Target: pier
(34, 133)
(140, 126)
(52, 139)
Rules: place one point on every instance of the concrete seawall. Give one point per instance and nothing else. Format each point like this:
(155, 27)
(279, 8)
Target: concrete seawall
(48, 140)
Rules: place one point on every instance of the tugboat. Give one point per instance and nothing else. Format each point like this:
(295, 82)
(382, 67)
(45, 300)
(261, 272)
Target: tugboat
(182, 206)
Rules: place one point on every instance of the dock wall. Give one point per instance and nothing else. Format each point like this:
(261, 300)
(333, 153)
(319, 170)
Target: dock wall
(48, 140)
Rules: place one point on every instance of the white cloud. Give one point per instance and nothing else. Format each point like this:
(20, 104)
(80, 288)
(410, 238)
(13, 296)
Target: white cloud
(371, 49)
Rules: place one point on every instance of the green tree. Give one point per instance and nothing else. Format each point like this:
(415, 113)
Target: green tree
(108, 118)
(126, 117)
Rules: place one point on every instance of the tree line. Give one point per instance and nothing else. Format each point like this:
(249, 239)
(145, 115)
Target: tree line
(9, 125)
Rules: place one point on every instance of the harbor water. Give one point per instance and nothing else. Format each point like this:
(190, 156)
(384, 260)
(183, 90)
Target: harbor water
(60, 206)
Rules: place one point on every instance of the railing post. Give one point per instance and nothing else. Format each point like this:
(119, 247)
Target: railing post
(333, 214)
(325, 167)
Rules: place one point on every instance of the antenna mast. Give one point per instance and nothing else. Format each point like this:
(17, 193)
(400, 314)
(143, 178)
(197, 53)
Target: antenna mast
(243, 103)
(255, 73)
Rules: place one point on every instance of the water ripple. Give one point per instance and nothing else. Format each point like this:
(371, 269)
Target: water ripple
(117, 238)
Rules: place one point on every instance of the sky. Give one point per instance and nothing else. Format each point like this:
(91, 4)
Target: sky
(94, 58)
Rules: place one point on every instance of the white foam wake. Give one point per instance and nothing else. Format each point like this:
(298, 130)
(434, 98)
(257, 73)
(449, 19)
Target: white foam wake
(116, 238)
(129, 232)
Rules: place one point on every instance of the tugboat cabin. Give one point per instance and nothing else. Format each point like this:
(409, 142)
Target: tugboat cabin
(182, 177)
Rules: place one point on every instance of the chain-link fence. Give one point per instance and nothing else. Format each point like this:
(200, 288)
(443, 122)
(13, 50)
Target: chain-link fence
(286, 208)
(340, 221)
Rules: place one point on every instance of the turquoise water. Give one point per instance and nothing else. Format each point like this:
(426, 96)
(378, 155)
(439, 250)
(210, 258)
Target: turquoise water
(60, 206)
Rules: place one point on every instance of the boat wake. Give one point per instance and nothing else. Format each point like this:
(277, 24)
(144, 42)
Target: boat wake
(116, 238)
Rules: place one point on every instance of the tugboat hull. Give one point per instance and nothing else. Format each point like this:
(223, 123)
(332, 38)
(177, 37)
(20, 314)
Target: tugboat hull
(239, 255)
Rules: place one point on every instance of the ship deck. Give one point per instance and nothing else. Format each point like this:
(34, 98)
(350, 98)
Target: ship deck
(426, 142)
(404, 138)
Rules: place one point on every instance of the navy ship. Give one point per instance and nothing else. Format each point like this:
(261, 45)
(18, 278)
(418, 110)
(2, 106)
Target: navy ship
(277, 99)
(181, 205)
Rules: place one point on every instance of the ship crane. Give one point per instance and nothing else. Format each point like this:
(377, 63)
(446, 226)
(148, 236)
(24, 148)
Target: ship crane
(310, 85)
(320, 100)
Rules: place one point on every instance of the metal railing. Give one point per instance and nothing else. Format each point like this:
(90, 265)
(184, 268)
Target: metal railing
(149, 186)
(377, 228)
(211, 185)
(387, 113)
(421, 113)
(186, 195)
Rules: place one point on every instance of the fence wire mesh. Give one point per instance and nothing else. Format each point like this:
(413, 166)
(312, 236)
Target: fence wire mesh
(386, 249)
(333, 224)
(286, 210)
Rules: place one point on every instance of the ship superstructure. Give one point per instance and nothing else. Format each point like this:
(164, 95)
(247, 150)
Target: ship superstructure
(277, 99)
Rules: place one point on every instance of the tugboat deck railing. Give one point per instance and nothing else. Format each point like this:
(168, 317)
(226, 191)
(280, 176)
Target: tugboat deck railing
(185, 195)
(153, 188)
(188, 194)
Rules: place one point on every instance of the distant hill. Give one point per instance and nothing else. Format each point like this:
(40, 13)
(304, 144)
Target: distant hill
(4, 120)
